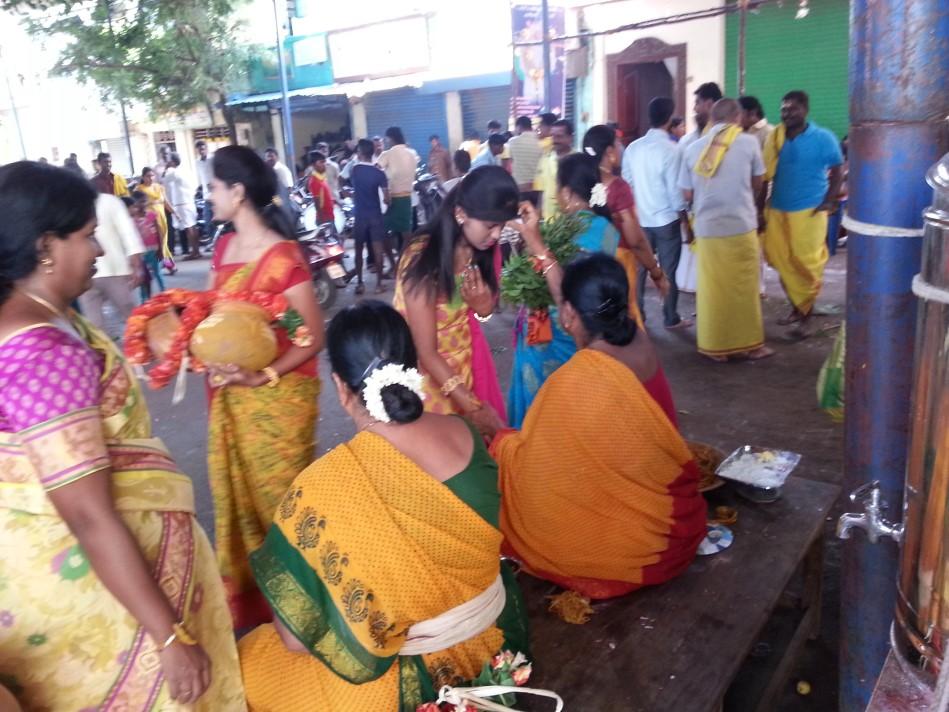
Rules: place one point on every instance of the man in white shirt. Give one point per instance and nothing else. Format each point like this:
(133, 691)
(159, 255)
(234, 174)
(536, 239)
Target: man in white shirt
(284, 177)
(525, 150)
(705, 97)
(205, 173)
(119, 270)
(721, 174)
(399, 163)
(180, 194)
(490, 154)
(161, 165)
(651, 167)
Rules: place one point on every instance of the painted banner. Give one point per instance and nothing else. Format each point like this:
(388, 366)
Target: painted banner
(527, 26)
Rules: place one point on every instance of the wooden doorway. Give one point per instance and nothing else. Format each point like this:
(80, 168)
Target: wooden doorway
(646, 69)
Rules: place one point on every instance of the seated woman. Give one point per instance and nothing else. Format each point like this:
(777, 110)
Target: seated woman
(577, 176)
(111, 597)
(600, 492)
(382, 565)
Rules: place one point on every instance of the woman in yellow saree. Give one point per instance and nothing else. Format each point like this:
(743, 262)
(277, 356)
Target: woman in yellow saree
(382, 566)
(157, 204)
(109, 596)
(262, 424)
(600, 492)
(447, 284)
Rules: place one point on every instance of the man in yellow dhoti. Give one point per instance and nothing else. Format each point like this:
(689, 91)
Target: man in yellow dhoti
(720, 175)
(804, 161)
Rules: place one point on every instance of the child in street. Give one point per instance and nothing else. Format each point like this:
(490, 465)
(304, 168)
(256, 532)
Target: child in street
(147, 224)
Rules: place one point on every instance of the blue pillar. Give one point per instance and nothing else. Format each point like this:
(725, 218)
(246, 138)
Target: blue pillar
(899, 64)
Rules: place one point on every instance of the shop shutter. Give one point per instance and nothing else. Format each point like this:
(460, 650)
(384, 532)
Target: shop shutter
(784, 53)
(570, 101)
(119, 150)
(418, 115)
(479, 106)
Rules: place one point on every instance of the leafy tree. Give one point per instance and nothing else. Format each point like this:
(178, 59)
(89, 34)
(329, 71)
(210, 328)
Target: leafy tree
(170, 55)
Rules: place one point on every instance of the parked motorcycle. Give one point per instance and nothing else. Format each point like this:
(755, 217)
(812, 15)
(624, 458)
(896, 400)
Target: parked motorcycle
(325, 254)
(429, 194)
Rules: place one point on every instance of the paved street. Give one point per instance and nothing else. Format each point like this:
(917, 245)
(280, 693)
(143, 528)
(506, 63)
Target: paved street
(770, 403)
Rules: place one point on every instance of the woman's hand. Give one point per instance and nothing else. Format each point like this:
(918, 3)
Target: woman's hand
(529, 228)
(220, 375)
(486, 420)
(662, 284)
(187, 669)
(476, 293)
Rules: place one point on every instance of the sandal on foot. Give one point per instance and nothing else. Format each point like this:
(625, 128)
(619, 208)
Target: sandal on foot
(360, 288)
(760, 353)
(792, 318)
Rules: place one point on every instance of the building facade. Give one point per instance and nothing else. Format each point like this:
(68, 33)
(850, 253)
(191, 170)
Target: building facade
(787, 49)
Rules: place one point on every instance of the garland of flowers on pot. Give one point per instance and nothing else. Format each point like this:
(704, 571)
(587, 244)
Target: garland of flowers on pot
(194, 307)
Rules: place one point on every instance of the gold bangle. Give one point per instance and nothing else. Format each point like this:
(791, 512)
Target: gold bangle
(475, 405)
(272, 376)
(451, 384)
(179, 634)
(548, 268)
(183, 635)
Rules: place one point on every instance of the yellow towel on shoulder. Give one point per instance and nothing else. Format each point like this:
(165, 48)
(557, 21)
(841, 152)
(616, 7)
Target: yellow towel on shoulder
(713, 153)
(772, 150)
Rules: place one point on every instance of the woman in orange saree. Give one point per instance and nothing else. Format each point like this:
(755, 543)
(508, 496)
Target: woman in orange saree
(110, 598)
(447, 284)
(595, 504)
(262, 424)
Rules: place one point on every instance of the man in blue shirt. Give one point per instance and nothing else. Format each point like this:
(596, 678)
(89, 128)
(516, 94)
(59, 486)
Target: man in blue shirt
(804, 162)
(369, 226)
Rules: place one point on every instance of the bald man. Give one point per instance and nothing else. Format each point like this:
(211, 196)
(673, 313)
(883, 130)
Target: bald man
(720, 175)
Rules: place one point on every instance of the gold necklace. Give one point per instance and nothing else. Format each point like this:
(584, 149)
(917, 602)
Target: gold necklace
(369, 425)
(43, 303)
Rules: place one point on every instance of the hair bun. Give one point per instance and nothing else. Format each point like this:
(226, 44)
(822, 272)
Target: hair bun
(402, 404)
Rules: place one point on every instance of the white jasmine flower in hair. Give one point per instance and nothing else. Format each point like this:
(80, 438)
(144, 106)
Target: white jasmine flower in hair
(598, 196)
(389, 375)
(590, 151)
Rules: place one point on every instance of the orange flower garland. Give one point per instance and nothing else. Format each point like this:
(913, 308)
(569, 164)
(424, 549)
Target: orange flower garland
(194, 307)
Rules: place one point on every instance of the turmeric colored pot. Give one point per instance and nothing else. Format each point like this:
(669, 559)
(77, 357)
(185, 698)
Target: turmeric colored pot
(235, 333)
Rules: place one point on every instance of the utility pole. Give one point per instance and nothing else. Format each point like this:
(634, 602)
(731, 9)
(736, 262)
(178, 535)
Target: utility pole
(16, 114)
(742, 39)
(125, 121)
(545, 21)
(289, 150)
(899, 58)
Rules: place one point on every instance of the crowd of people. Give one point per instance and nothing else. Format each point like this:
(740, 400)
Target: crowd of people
(372, 576)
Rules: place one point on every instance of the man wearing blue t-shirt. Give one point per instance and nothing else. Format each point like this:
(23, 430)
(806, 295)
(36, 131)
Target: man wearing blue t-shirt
(804, 162)
(368, 181)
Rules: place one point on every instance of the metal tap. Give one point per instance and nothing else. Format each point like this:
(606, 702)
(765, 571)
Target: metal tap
(871, 520)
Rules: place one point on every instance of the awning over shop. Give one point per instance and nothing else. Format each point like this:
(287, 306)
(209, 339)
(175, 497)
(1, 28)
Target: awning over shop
(424, 82)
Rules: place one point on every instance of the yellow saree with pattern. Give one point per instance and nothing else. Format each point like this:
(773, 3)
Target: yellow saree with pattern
(259, 439)
(364, 546)
(65, 642)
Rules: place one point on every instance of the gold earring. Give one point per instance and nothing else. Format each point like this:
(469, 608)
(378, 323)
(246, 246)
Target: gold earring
(47, 262)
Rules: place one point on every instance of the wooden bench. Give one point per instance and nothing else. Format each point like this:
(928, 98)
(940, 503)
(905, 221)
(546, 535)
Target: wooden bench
(678, 646)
